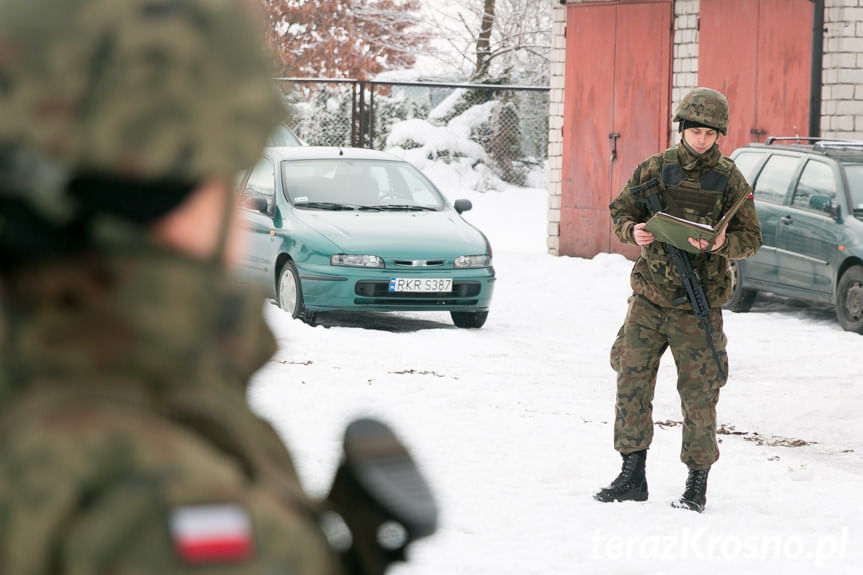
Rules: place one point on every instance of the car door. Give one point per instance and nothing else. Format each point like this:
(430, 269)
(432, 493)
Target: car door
(258, 210)
(770, 192)
(808, 234)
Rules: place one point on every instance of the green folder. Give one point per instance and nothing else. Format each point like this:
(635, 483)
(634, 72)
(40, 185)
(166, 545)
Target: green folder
(676, 231)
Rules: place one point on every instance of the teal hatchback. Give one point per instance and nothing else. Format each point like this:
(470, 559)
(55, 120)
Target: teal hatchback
(346, 229)
(809, 199)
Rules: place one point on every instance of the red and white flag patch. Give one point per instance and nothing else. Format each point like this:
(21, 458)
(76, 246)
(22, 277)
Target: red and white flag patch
(215, 533)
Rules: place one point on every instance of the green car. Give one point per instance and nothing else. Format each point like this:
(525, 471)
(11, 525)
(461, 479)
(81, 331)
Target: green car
(345, 229)
(809, 199)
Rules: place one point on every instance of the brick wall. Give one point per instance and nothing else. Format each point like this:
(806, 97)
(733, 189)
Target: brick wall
(684, 63)
(555, 125)
(842, 77)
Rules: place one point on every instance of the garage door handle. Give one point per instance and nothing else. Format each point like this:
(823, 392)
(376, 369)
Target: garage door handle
(613, 137)
(785, 220)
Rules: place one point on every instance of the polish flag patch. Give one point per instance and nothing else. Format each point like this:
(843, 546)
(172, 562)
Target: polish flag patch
(217, 533)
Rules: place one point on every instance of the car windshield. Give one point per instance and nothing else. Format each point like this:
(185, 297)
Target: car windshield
(350, 184)
(855, 186)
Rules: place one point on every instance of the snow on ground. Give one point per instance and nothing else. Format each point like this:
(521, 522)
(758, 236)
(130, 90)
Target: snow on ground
(512, 422)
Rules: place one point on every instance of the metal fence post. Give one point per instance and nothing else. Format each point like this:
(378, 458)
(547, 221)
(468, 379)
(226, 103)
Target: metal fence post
(362, 117)
(354, 114)
(371, 115)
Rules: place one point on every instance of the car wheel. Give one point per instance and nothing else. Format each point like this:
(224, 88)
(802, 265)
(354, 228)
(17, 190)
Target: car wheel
(741, 299)
(849, 301)
(290, 294)
(472, 319)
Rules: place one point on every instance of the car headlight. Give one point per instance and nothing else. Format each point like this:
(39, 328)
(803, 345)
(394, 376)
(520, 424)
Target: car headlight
(479, 261)
(356, 261)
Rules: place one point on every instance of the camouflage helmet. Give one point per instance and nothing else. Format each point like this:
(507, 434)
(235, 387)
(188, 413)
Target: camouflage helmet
(156, 90)
(704, 106)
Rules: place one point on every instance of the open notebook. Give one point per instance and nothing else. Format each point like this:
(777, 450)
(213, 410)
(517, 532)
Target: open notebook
(676, 231)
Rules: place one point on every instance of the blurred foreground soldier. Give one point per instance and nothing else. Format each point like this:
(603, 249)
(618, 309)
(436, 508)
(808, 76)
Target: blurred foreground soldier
(678, 296)
(126, 445)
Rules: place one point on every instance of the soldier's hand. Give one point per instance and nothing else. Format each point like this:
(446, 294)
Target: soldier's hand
(641, 237)
(705, 244)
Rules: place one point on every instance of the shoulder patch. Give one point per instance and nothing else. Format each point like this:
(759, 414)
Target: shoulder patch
(214, 533)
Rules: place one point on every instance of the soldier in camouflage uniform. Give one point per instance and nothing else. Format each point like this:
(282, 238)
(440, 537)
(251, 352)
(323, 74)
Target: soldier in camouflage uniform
(701, 184)
(126, 444)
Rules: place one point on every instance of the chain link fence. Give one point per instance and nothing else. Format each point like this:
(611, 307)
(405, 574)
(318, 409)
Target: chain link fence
(509, 123)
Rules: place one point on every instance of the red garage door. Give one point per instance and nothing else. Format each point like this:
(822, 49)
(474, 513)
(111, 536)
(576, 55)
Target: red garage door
(616, 94)
(758, 53)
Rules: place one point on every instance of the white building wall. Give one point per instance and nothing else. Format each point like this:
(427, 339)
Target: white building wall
(842, 75)
(555, 126)
(684, 63)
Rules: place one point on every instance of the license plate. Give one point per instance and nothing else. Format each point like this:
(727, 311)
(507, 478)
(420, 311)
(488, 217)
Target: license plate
(422, 285)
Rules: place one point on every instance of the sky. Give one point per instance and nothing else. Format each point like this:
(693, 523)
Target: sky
(512, 423)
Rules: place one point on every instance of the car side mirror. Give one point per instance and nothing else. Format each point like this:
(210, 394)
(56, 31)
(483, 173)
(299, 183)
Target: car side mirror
(462, 206)
(824, 204)
(258, 204)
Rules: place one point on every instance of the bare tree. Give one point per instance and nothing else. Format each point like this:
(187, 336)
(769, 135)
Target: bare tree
(483, 40)
(501, 39)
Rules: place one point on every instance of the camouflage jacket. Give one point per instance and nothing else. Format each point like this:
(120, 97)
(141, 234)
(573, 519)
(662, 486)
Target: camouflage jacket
(126, 444)
(653, 274)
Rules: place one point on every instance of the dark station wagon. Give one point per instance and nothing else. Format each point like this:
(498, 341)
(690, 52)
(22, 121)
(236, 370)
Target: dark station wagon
(809, 198)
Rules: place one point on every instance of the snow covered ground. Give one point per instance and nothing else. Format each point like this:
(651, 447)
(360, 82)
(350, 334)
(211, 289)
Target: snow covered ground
(512, 423)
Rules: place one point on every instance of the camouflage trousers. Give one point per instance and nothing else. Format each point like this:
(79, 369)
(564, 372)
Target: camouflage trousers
(647, 332)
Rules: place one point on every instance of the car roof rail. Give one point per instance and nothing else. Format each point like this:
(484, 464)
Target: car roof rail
(807, 139)
(825, 146)
(837, 145)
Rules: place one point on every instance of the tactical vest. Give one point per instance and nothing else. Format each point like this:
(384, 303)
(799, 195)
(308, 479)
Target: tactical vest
(685, 197)
(698, 200)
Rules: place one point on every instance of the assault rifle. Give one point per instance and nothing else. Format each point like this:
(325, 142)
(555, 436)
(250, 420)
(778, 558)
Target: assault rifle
(691, 282)
(379, 502)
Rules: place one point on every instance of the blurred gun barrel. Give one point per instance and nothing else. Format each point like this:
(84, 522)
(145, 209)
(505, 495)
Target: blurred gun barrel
(379, 502)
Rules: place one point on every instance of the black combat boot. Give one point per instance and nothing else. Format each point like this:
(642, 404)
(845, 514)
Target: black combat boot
(631, 484)
(695, 496)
